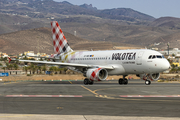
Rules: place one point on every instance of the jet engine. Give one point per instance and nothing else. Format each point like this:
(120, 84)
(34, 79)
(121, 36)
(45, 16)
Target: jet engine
(153, 76)
(97, 74)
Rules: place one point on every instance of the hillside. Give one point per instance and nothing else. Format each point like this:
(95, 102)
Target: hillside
(169, 22)
(106, 28)
(11, 23)
(28, 40)
(128, 34)
(90, 36)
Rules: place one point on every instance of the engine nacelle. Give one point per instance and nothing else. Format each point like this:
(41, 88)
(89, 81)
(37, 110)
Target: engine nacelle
(97, 74)
(154, 76)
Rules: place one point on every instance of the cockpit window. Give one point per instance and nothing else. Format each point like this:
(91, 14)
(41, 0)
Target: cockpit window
(150, 57)
(158, 56)
(153, 57)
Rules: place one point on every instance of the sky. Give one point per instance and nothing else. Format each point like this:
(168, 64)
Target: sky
(155, 8)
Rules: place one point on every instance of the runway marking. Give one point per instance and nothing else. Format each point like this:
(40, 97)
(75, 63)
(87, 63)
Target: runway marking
(124, 97)
(70, 82)
(15, 116)
(94, 92)
(149, 96)
(59, 107)
(89, 90)
(10, 82)
(43, 96)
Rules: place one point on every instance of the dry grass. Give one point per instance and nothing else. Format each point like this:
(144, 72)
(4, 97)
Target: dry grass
(54, 77)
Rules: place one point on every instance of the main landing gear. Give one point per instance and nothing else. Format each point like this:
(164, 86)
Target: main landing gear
(87, 81)
(123, 80)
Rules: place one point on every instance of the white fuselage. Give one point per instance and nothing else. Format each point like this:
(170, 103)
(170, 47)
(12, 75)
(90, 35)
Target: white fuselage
(123, 61)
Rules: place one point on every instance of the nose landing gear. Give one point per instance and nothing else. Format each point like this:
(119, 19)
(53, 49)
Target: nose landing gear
(147, 82)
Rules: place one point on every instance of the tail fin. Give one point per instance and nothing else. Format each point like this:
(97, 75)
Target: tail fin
(9, 59)
(59, 41)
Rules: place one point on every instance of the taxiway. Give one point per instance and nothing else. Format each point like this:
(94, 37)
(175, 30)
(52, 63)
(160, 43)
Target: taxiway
(103, 99)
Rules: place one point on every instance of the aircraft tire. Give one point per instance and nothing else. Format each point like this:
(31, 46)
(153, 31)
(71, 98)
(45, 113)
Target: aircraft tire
(86, 81)
(120, 81)
(91, 82)
(125, 82)
(147, 82)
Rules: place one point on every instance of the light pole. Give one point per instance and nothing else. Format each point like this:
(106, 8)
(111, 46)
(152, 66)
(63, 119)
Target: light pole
(168, 48)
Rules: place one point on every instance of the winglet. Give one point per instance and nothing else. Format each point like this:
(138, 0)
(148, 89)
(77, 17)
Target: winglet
(9, 59)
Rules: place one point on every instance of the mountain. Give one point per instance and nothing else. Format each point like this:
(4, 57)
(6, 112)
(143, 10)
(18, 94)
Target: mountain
(169, 22)
(101, 29)
(125, 14)
(48, 8)
(88, 7)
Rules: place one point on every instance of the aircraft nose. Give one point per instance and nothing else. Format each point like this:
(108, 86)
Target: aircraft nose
(166, 65)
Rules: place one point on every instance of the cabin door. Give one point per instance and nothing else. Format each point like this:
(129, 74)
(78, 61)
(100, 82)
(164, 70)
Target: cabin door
(139, 58)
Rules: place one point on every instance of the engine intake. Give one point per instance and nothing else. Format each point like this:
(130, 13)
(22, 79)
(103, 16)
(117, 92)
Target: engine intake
(97, 74)
(154, 76)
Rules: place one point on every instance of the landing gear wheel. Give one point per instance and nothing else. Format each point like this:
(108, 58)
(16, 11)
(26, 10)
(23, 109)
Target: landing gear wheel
(86, 81)
(121, 81)
(125, 82)
(147, 82)
(91, 82)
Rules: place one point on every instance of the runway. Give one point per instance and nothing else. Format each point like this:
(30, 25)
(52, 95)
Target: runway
(103, 99)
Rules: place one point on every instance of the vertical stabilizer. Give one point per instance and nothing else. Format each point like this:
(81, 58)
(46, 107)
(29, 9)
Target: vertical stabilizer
(59, 41)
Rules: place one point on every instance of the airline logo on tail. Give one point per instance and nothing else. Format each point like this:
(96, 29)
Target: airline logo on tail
(59, 41)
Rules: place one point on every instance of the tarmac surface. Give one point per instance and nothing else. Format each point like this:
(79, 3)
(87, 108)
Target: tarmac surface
(102, 100)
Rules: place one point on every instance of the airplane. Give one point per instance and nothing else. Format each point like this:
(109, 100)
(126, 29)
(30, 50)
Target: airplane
(97, 65)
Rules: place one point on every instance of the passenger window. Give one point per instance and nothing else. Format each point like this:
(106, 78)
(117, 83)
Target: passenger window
(150, 57)
(153, 57)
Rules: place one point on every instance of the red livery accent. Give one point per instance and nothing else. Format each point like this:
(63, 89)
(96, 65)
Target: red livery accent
(9, 59)
(43, 96)
(59, 40)
(93, 75)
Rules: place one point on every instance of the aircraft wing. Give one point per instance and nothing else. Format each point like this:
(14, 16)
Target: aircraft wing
(68, 64)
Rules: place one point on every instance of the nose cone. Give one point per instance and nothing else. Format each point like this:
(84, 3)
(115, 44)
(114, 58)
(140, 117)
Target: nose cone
(165, 65)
